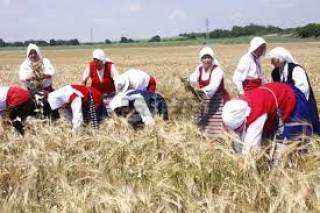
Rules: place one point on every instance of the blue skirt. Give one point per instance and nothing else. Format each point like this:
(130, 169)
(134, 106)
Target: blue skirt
(300, 122)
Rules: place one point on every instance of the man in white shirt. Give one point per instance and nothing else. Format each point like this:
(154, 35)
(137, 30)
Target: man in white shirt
(249, 73)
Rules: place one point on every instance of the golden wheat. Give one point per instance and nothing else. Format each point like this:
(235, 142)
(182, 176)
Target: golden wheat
(165, 168)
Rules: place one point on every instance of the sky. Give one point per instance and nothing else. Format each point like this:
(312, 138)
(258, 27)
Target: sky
(22, 20)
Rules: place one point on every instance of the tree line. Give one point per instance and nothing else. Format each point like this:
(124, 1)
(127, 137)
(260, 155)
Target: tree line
(52, 42)
(307, 31)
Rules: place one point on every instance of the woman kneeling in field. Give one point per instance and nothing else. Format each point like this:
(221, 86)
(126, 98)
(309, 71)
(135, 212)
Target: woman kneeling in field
(36, 72)
(208, 80)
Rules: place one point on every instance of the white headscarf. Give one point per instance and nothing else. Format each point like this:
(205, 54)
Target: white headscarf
(255, 43)
(33, 47)
(208, 51)
(281, 54)
(99, 54)
(234, 113)
(120, 100)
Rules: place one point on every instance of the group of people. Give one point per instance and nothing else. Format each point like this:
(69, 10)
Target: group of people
(285, 108)
(131, 94)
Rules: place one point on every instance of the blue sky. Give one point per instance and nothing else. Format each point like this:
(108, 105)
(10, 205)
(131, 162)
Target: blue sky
(66, 19)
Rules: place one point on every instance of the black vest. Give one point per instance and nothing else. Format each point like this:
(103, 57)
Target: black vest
(275, 74)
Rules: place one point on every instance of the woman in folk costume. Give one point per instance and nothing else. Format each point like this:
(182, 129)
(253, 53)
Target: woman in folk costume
(80, 104)
(134, 79)
(16, 104)
(249, 73)
(36, 72)
(140, 107)
(287, 70)
(274, 108)
(102, 73)
(208, 80)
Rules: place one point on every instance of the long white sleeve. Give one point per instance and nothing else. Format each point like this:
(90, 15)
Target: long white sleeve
(114, 72)
(254, 133)
(301, 81)
(77, 117)
(215, 81)
(26, 73)
(48, 68)
(241, 72)
(142, 108)
(194, 77)
(86, 74)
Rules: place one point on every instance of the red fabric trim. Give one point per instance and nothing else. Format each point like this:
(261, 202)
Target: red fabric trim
(203, 83)
(152, 84)
(251, 84)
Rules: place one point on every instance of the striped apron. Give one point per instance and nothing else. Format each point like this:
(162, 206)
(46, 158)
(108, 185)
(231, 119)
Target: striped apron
(210, 115)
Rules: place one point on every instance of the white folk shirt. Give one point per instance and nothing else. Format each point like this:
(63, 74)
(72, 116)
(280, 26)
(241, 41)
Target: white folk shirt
(86, 72)
(142, 108)
(299, 77)
(252, 136)
(26, 72)
(60, 97)
(215, 81)
(138, 80)
(247, 68)
(3, 99)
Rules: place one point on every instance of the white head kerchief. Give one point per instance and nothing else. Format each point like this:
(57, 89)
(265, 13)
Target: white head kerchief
(99, 54)
(255, 43)
(281, 54)
(208, 51)
(234, 113)
(33, 47)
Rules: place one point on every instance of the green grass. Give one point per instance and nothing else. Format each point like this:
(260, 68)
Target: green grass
(171, 42)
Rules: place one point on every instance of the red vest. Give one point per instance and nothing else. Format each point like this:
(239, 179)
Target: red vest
(268, 99)
(203, 83)
(250, 84)
(107, 84)
(86, 91)
(17, 96)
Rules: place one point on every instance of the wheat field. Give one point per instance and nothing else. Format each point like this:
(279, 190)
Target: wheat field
(165, 168)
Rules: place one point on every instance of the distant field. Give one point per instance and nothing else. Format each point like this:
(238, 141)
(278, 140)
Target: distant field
(165, 168)
(174, 42)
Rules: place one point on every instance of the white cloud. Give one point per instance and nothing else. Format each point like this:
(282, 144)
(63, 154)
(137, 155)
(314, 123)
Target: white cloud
(177, 14)
(281, 4)
(135, 7)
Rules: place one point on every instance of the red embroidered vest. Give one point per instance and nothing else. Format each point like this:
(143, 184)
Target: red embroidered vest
(107, 84)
